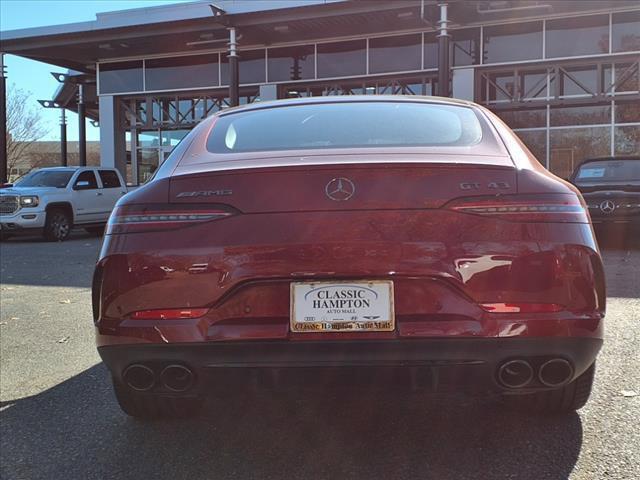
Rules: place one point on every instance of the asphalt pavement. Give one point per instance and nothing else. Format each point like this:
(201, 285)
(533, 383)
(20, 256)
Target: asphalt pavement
(59, 419)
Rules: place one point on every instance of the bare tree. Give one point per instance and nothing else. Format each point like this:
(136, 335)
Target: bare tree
(25, 126)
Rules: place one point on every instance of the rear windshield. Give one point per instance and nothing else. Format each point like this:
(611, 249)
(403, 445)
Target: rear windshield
(345, 125)
(609, 171)
(46, 178)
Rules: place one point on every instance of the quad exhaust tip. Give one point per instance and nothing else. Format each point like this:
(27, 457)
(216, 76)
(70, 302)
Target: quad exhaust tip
(139, 377)
(177, 378)
(555, 372)
(515, 373)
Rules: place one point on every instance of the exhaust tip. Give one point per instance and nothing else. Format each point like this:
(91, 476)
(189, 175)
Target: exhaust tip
(177, 378)
(515, 373)
(555, 372)
(139, 377)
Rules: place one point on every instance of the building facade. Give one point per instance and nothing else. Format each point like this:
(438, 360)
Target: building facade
(564, 75)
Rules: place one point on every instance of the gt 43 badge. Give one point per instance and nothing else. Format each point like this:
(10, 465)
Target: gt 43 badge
(491, 185)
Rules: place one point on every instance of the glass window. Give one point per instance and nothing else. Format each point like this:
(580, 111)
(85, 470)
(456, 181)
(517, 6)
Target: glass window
(345, 125)
(534, 84)
(627, 112)
(626, 31)
(627, 77)
(395, 54)
(171, 138)
(120, 77)
(149, 139)
(569, 147)
(465, 46)
(86, 176)
(536, 142)
(430, 51)
(524, 118)
(577, 81)
(291, 63)
(627, 140)
(581, 115)
(567, 37)
(109, 179)
(251, 67)
(499, 87)
(148, 161)
(46, 178)
(190, 71)
(518, 41)
(609, 171)
(342, 59)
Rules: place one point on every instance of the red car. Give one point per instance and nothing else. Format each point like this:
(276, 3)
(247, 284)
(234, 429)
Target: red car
(364, 240)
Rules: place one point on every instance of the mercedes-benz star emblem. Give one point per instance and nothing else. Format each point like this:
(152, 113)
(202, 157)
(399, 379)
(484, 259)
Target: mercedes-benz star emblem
(340, 189)
(607, 206)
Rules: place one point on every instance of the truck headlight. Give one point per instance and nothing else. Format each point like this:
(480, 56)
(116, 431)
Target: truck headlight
(29, 201)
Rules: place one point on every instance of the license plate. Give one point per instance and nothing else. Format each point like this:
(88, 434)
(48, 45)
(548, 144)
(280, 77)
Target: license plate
(342, 306)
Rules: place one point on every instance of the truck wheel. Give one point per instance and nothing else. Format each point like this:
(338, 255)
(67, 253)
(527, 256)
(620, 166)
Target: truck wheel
(150, 406)
(566, 399)
(57, 226)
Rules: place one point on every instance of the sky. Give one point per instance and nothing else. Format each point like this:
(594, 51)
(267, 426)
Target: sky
(35, 77)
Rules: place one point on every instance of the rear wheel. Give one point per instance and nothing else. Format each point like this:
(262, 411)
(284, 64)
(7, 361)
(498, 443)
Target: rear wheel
(566, 399)
(57, 226)
(150, 406)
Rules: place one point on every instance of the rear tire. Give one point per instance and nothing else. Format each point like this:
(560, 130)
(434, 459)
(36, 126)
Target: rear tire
(150, 406)
(57, 226)
(566, 399)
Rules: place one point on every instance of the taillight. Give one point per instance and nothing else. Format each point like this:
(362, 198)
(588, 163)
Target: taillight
(145, 218)
(522, 307)
(170, 314)
(525, 208)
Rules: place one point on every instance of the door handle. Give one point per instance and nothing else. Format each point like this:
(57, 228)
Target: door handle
(99, 194)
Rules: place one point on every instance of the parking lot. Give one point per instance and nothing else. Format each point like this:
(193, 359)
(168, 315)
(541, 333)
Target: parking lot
(59, 419)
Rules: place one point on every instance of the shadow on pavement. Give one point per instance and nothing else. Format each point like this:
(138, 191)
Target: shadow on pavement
(75, 430)
(33, 261)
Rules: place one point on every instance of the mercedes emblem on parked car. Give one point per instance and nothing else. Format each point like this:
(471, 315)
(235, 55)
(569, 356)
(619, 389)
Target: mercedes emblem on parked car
(340, 189)
(607, 206)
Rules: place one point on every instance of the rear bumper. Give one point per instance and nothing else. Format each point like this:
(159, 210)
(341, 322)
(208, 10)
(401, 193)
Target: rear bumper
(468, 363)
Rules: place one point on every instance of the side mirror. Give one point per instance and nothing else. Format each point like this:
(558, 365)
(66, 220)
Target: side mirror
(81, 185)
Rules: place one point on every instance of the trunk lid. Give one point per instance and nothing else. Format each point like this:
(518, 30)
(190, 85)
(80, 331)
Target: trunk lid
(361, 184)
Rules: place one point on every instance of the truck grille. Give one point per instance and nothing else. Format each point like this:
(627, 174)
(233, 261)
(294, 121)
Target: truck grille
(8, 204)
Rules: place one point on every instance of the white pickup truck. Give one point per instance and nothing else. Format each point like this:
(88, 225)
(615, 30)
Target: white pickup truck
(54, 200)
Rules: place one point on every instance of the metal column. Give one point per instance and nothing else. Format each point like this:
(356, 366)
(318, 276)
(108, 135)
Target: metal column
(444, 69)
(234, 80)
(82, 128)
(3, 122)
(63, 137)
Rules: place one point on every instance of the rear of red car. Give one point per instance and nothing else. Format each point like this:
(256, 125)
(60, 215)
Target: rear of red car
(324, 239)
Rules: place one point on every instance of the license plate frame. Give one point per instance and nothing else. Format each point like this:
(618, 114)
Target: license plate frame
(343, 308)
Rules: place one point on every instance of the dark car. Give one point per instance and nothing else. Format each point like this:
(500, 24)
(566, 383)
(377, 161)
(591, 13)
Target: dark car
(373, 241)
(611, 188)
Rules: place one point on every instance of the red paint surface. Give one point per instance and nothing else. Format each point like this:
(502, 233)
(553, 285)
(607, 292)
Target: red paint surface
(398, 226)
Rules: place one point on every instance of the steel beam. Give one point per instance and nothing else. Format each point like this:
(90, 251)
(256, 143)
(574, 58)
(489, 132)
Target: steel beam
(234, 77)
(63, 137)
(444, 69)
(82, 128)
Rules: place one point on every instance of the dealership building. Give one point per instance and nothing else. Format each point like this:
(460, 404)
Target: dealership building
(565, 75)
